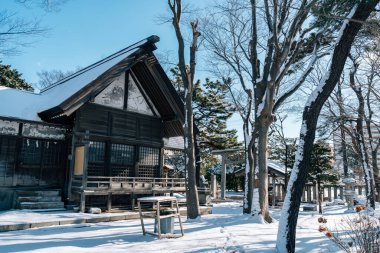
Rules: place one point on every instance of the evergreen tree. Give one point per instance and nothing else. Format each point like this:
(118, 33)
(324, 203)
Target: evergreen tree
(321, 169)
(12, 78)
(211, 111)
(282, 150)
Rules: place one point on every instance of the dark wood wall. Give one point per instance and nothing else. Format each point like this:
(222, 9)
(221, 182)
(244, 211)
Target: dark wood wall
(123, 126)
(122, 143)
(32, 162)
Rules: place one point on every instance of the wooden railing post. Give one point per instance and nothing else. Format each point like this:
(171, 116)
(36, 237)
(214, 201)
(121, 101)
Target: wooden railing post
(85, 168)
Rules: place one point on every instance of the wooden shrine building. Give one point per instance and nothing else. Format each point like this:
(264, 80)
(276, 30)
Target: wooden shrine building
(97, 136)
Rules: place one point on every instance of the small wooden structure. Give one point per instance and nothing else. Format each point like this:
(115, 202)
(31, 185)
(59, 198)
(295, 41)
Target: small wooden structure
(223, 172)
(157, 201)
(276, 174)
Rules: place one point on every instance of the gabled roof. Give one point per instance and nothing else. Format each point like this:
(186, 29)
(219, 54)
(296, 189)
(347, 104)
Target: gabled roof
(273, 166)
(57, 102)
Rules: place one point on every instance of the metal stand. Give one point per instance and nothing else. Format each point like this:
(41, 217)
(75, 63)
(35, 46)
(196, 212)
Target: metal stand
(157, 201)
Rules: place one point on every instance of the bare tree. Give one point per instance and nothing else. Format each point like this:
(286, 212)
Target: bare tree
(17, 32)
(187, 76)
(355, 116)
(359, 135)
(351, 26)
(49, 77)
(227, 34)
(288, 48)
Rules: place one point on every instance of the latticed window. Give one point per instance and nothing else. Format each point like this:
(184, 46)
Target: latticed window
(149, 162)
(122, 154)
(52, 151)
(7, 159)
(31, 151)
(122, 160)
(149, 156)
(96, 158)
(40, 162)
(96, 151)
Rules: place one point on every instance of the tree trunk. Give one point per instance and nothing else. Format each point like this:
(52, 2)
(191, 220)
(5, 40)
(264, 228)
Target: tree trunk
(368, 174)
(263, 170)
(249, 172)
(191, 187)
(342, 133)
(320, 196)
(375, 170)
(288, 221)
(188, 126)
(197, 161)
(360, 138)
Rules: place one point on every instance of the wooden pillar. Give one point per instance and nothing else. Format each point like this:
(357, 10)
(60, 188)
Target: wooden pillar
(71, 168)
(223, 177)
(133, 201)
(303, 195)
(214, 187)
(341, 192)
(329, 192)
(85, 171)
(273, 190)
(360, 189)
(82, 202)
(335, 192)
(315, 197)
(109, 201)
(308, 193)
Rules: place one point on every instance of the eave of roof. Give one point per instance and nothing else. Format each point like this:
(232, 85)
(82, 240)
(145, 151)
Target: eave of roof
(53, 101)
(57, 103)
(79, 87)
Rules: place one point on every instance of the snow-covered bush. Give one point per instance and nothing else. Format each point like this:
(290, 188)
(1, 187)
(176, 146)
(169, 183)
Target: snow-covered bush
(360, 233)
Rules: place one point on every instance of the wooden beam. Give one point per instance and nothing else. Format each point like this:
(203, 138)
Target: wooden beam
(224, 151)
(223, 180)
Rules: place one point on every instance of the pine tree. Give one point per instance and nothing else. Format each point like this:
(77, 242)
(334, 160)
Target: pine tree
(211, 111)
(12, 78)
(321, 169)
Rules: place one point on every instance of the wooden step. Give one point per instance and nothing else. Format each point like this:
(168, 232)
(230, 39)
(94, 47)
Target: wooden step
(39, 193)
(41, 205)
(39, 199)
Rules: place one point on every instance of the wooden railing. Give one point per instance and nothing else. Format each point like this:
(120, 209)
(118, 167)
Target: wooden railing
(128, 183)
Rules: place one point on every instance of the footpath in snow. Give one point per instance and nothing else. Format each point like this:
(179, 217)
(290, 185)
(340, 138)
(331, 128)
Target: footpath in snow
(226, 230)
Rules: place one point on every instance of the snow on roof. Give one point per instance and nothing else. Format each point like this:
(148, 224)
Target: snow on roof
(174, 142)
(275, 165)
(19, 104)
(25, 105)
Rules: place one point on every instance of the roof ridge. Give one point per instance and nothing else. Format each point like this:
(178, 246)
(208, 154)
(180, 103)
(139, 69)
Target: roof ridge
(151, 39)
(3, 87)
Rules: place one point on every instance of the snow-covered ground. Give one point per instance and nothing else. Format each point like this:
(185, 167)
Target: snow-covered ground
(226, 230)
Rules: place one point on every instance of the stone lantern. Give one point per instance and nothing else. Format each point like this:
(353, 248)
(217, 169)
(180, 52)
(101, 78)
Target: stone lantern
(349, 191)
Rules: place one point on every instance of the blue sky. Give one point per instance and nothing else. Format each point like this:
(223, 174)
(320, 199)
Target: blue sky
(85, 31)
